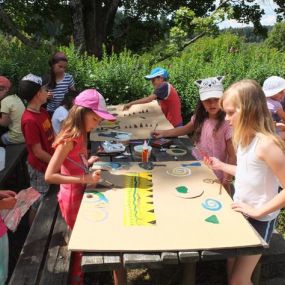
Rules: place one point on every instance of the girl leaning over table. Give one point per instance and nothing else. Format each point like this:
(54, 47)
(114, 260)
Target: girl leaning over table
(260, 167)
(68, 165)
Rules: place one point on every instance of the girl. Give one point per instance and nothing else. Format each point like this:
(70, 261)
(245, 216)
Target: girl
(68, 165)
(260, 161)
(59, 81)
(211, 133)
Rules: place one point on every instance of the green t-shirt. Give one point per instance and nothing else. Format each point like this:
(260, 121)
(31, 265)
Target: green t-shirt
(13, 106)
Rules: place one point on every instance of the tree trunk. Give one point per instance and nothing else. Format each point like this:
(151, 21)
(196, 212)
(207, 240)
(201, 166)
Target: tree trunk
(78, 24)
(14, 30)
(99, 18)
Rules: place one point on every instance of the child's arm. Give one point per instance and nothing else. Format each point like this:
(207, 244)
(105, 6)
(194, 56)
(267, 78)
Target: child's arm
(175, 132)
(216, 164)
(232, 159)
(53, 175)
(7, 194)
(7, 203)
(275, 159)
(5, 120)
(40, 153)
(140, 101)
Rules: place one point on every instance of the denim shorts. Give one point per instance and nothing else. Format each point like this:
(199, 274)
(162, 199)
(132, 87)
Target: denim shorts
(37, 181)
(4, 258)
(264, 228)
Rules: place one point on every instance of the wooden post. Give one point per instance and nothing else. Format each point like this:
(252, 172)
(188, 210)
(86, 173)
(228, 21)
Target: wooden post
(189, 273)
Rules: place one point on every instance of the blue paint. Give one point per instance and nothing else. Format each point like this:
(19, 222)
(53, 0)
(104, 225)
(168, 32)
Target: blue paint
(212, 204)
(191, 164)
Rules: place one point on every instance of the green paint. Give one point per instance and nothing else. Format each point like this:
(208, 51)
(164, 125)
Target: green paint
(178, 151)
(182, 189)
(212, 219)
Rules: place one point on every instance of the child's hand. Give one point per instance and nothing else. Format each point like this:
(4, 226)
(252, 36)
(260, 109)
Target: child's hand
(7, 193)
(158, 134)
(246, 210)
(93, 159)
(93, 177)
(213, 162)
(8, 203)
(127, 106)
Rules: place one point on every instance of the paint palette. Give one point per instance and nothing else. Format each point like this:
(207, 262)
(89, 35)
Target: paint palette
(106, 165)
(187, 193)
(179, 171)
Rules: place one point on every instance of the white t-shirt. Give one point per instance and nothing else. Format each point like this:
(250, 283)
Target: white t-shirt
(58, 117)
(255, 183)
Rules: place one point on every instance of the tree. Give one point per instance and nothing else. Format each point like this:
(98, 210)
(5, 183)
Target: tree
(276, 37)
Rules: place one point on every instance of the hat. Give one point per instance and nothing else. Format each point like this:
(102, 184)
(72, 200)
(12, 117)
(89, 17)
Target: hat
(93, 100)
(29, 86)
(273, 85)
(211, 87)
(5, 82)
(156, 72)
(33, 78)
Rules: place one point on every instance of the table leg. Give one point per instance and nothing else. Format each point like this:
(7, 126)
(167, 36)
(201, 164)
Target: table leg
(189, 273)
(120, 275)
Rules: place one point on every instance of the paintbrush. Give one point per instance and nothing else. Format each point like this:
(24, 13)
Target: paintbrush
(156, 125)
(220, 190)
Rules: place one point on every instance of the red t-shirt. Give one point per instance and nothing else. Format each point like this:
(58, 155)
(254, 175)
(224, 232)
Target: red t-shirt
(170, 103)
(37, 128)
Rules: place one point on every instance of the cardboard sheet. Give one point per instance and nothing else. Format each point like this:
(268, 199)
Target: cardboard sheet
(139, 121)
(180, 223)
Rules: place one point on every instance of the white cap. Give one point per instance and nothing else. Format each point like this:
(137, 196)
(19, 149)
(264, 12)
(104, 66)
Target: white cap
(273, 85)
(211, 87)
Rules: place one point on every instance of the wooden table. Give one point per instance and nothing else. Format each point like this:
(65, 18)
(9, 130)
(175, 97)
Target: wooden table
(105, 261)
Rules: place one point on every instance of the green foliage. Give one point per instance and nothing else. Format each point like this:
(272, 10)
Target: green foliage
(120, 77)
(276, 37)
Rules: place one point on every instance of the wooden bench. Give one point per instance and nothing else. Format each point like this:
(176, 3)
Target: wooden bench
(15, 162)
(44, 258)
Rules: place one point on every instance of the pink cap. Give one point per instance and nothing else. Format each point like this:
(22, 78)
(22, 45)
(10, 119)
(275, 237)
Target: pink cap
(5, 82)
(93, 100)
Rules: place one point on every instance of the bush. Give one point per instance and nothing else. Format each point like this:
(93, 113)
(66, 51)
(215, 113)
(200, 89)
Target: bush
(276, 37)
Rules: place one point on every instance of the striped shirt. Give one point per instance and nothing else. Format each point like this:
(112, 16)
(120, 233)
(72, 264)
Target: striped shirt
(62, 87)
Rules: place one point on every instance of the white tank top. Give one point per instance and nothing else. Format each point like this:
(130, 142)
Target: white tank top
(255, 183)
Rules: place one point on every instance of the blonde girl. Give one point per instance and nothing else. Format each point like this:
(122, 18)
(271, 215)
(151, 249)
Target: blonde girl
(260, 163)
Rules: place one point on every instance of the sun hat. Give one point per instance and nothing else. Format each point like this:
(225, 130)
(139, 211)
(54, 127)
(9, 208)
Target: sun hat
(211, 87)
(5, 82)
(273, 85)
(93, 100)
(156, 72)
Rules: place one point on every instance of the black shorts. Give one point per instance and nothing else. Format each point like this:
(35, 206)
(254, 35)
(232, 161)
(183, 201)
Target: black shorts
(264, 228)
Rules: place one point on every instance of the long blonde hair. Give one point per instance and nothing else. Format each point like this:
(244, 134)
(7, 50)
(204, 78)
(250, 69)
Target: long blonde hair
(253, 115)
(74, 125)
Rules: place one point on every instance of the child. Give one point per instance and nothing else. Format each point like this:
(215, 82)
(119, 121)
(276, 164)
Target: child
(61, 112)
(274, 89)
(211, 133)
(68, 166)
(12, 109)
(166, 95)
(7, 201)
(260, 161)
(38, 133)
(59, 81)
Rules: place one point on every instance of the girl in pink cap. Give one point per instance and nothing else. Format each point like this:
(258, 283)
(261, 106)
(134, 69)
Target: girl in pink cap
(69, 164)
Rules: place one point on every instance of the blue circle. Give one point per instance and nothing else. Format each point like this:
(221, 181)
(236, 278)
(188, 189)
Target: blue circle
(212, 204)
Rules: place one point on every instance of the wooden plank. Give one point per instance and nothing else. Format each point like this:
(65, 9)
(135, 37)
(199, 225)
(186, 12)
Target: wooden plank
(57, 261)
(112, 261)
(169, 257)
(32, 256)
(149, 260)
(188, 256)
(92, 262)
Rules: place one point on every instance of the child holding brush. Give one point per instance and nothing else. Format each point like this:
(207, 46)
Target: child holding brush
(211, 133)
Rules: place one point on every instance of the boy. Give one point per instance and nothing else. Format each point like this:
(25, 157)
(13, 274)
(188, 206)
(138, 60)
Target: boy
(166, 95)
(12, 109)
(38, 133)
